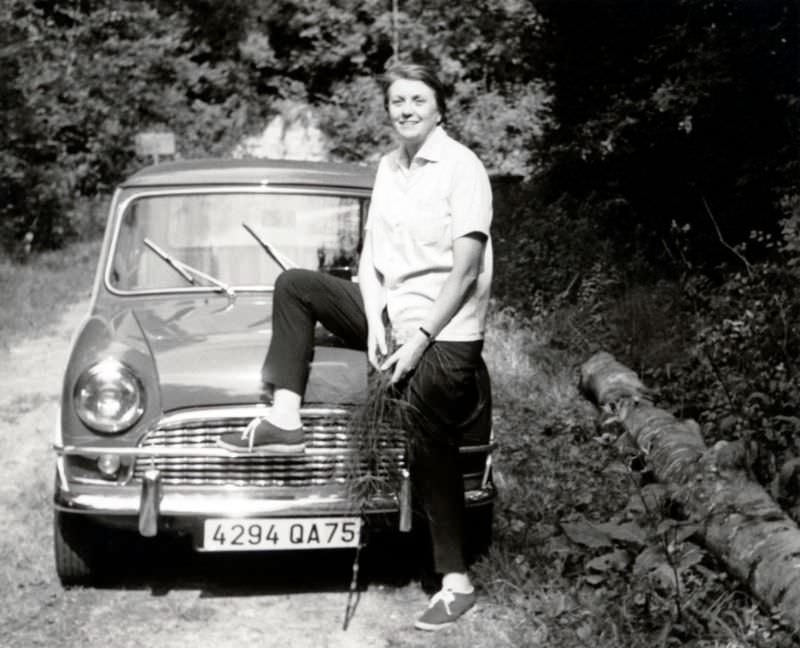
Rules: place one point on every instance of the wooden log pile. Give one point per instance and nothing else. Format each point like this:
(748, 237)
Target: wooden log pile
(740, 522)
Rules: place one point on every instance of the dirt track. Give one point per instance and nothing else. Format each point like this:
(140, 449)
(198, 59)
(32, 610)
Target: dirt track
(172, 597)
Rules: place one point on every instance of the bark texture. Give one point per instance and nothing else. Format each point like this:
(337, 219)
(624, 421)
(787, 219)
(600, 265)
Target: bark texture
(741, 523)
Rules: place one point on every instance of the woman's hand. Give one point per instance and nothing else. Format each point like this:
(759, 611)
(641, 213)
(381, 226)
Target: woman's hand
(376, 343)
(406, 358)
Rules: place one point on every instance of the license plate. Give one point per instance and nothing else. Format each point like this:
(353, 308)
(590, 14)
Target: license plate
(280, 533)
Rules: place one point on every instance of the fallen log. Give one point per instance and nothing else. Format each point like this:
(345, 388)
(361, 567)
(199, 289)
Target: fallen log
(740, 523)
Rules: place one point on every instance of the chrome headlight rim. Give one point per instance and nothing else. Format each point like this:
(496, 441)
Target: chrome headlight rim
(121, 377)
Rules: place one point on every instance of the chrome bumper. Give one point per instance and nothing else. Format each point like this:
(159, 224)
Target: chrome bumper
(151, 501)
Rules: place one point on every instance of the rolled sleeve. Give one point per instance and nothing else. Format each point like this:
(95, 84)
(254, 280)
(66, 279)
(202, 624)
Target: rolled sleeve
(471, 198)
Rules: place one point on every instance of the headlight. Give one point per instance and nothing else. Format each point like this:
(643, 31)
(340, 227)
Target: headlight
(109, 397)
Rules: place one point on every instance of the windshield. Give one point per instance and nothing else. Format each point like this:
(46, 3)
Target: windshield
(241, 239)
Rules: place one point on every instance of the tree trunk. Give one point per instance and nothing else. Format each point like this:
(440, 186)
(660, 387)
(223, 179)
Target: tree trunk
(740, 523)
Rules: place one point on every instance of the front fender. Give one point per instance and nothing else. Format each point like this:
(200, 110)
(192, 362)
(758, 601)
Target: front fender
(98, 339)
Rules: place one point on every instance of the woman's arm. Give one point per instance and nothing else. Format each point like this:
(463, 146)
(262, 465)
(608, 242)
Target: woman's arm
(467, 257)
(372, 292)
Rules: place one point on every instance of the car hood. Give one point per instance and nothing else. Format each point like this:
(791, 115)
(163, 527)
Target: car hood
(211, 352)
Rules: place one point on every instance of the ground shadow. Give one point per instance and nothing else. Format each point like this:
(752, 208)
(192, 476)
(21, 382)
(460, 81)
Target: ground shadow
(165, 564)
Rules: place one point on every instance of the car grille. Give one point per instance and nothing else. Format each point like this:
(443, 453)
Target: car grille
(329, 457)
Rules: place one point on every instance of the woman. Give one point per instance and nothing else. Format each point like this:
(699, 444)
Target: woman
(426, 266)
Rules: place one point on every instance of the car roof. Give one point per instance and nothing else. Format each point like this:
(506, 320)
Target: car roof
(207, 172)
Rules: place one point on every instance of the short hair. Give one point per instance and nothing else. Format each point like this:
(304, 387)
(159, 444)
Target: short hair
(414, 72)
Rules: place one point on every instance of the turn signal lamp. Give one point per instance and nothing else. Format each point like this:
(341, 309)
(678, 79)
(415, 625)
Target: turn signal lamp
(108, 464)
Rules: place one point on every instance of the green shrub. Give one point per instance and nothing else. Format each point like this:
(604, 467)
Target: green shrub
(546, 251)
(742, 380)
(80, 81)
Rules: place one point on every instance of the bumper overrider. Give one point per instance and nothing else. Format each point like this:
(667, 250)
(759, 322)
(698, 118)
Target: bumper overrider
(176, 476)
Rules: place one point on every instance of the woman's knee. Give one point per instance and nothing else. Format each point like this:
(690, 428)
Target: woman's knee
(290, 281)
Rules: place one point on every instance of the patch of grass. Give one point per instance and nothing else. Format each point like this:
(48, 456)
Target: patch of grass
(28, 592)
(34, 293)
(547, 468)
(522, 365)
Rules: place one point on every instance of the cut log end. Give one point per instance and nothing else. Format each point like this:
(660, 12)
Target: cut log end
(605, 380)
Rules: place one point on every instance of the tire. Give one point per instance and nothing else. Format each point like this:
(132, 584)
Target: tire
(77, 550)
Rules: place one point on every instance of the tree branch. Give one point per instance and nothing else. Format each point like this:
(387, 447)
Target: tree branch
(723, 241)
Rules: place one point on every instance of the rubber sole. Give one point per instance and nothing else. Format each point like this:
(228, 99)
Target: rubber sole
(435, 627)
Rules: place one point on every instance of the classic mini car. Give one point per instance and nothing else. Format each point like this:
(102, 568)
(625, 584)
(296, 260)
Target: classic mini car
(170, 357)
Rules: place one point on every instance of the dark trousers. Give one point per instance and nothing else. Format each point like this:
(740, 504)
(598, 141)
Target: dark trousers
(437, 399)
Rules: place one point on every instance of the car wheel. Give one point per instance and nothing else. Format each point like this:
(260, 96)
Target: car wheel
(78, 552)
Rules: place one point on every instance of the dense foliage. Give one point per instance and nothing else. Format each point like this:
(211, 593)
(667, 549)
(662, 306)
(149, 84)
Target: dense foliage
(674, 129)
(642, 117)
(81, 79)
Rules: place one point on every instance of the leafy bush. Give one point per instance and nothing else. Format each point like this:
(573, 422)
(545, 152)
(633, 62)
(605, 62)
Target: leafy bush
(742, 379)
(354, 118)
(81, 81)
(790, 227)
(649, 102)
(499, 126)
(543, 251)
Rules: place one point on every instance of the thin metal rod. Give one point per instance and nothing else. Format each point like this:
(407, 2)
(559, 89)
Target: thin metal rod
(395, 32)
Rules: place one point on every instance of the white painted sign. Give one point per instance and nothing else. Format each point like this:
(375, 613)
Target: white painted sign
(155, 144)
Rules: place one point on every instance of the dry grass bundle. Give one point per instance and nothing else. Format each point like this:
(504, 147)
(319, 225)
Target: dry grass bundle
(378, 443)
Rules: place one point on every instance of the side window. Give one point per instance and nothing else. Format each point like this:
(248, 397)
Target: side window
(340, 249)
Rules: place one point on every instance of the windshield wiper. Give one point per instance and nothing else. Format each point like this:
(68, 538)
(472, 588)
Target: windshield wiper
(189, 273)
(278, 257)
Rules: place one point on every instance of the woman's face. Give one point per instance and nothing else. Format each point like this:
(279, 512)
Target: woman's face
(412, 110)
